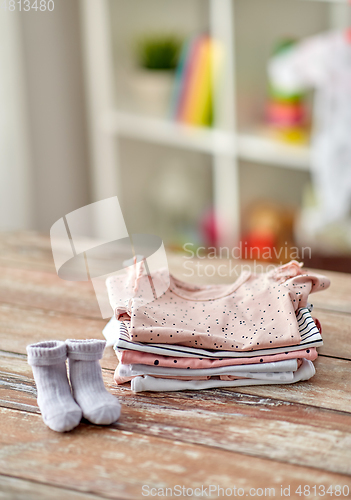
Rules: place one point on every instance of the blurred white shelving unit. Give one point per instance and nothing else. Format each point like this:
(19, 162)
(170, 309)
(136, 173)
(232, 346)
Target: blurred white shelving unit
(224, 142)
(247, 146)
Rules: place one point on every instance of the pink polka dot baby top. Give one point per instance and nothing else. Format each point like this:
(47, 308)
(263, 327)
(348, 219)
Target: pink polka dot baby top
(256, 312)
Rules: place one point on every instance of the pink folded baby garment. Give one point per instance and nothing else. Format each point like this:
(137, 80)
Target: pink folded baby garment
(138, 357)
(257, 330)
(254, 313)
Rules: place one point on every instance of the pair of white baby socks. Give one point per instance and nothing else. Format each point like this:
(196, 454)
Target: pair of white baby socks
(61, 407)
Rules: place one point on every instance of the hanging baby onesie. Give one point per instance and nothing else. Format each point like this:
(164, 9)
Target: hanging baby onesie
(324, 62)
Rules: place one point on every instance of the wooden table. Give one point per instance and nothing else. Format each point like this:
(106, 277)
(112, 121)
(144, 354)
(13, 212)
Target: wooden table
(254, 437)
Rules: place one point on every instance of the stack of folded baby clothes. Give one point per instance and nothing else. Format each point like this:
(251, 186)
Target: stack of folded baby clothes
(257, 331)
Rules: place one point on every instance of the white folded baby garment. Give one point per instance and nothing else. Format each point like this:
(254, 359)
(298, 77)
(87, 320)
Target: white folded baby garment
(149, 383)
(264, 371)
(131, 371)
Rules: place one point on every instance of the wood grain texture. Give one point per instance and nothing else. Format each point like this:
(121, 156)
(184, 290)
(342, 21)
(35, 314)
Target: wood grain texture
(32, 252)
(20, 326)
(264, 427)
(338, 296)
(47, 291)
(336, 333)
(252, 437)
(116, 463)
(26, 250)
(329, 388)
(13, 488)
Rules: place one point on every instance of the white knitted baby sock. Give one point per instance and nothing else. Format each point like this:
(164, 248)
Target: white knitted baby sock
(48, 361)
(97, 404)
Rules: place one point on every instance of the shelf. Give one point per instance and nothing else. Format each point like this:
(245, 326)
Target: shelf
(162, 131)
(225, 146)
(260, 149)
(249, 146)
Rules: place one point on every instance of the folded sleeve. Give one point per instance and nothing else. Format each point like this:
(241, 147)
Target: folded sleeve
(299, 282)
(301, 286)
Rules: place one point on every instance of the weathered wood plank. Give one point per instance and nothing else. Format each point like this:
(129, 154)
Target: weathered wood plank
(26, 250)
(117, 463)
(329, 388)
(13, 488)
(31, 253)
(22, 326)
(17, 387)
(267, 429)
(47, 291)
(338, 296)
(336, 333)
(264, 427)
(263, 422)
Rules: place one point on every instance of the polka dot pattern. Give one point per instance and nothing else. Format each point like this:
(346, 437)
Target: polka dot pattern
(144, 358)
(254, 313)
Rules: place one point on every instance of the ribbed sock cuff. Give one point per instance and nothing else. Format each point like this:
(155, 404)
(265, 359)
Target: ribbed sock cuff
(85, 350)
(47, 353)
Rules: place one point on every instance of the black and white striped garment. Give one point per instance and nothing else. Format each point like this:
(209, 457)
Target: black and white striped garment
(310, 337)
(307, 327)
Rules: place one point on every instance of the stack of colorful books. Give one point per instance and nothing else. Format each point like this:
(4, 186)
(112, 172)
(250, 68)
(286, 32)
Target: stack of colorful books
(196, 76)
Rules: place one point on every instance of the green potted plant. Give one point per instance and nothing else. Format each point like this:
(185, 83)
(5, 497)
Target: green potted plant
(158, 53)
(156, 57)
